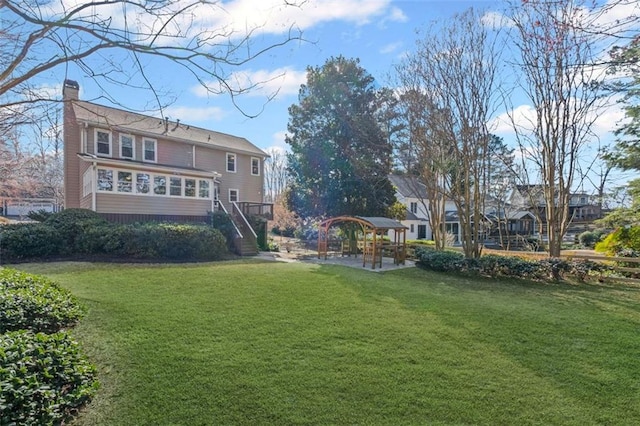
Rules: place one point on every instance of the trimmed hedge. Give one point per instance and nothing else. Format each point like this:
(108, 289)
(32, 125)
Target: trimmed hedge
(506, 266)
(44, 378)
(35, 303)
(78, 232)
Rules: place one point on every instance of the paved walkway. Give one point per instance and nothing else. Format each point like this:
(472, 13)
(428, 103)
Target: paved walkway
(309, 256)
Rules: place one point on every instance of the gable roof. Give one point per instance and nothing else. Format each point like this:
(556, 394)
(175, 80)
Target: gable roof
(409, 186)
(118, 119)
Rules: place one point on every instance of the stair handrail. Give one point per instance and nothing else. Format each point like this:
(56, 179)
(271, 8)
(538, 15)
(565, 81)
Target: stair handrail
(232, 222)
(244, 219)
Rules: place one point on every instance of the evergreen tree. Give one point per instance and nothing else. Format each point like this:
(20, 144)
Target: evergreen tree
(340, 154)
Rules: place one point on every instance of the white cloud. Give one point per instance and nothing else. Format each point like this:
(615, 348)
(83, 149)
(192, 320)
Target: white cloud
(283, 81)
(496, 20)
(391, 47)
(195, 114)
(523, 117)
(278, 143)
(233, 19)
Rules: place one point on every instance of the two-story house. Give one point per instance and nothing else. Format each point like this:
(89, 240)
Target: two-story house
(133, 167)
(413, 194)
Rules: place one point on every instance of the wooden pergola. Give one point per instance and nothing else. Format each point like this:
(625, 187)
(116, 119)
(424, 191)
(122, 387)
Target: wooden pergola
(372, 244)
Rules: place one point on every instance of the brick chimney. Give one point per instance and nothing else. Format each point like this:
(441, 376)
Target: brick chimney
(72, 140)
(70, 90)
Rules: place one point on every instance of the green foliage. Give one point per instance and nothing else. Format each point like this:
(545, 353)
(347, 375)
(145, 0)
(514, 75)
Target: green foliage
(589, 239)
(40, 215)
(222, 222)
(29, 240)
(80, 234)
(339, 161)
(440, 261)
(35, 303)
(71, 224)
(397, 211)
(624, 239)
(44, 378)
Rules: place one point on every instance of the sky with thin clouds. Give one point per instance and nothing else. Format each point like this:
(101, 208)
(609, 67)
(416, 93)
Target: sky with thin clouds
(377, 32)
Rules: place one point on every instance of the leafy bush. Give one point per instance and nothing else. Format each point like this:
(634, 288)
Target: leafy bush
(440, 261)
(584, 267)
(285, 232)
(222, 222)
(621, 240)
(35, 303)
(44, 378)
(71, 224)
(29, 240)
(40, 215)
(554, 267)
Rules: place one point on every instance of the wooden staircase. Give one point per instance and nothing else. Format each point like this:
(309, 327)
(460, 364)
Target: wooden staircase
(246, 243)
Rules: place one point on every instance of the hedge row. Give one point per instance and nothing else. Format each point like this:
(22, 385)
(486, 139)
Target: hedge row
(82, 232)
(44, 378)
(504, 266)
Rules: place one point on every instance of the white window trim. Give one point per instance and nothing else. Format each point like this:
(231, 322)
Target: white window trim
(155, 150)
(237, 195)
(258, 160)
(235, 162)
(95, 142)
(151, 193)
(133, 146)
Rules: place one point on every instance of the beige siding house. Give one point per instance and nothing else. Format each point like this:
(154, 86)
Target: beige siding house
(129, 166)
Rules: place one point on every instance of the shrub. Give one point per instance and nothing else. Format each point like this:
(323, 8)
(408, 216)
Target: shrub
(440, 261)
(44, 378)
(584, 267)
(285, 232)
(554, 267)
(622, 239)
(222, 222)
(29, 240)
(40, 215)
(588, 239)
(35, 303)
(71, 224)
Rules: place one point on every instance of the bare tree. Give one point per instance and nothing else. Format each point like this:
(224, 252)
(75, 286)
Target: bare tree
(556, 61)
(456, 66)
(275, 174)
(111, 41)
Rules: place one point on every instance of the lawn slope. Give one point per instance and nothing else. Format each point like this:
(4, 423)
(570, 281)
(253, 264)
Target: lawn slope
(274, 343)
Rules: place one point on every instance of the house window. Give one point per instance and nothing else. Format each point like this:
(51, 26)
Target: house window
(255, 166)
(175, 186)
(189, 187)
(233, 195)
(422, 232)
(127, 147)
(411, 228)
(414, 208)
(103, 143)
(231, 163)
(142, 183)
(203, 189)
(160, 185)
(150, 148)
(105, 180)
(124, 181)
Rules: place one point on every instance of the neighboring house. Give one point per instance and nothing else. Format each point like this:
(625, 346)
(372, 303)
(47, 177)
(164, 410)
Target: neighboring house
(133, 167)
(21, 207)
(413, 195)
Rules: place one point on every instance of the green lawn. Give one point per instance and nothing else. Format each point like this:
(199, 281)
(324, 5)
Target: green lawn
(273, 343)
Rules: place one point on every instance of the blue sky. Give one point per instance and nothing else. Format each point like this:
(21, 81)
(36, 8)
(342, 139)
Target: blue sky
(378, 32)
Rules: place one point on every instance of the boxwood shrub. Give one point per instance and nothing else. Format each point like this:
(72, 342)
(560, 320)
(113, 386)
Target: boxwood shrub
(29, 240)
(440, 261)
(44, 378)
(35, 303)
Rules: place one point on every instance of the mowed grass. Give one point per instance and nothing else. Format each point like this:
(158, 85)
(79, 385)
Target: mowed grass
(274, 343)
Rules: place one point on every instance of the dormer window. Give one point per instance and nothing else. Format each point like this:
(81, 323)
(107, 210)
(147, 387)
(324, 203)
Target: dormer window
(127, 145)
(103, 143)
